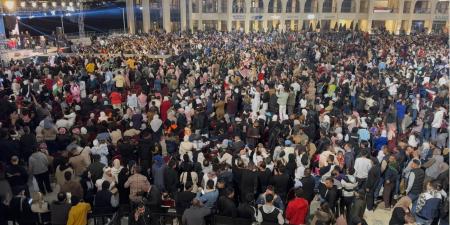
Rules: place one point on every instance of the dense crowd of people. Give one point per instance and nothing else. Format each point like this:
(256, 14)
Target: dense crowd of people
(274, 128)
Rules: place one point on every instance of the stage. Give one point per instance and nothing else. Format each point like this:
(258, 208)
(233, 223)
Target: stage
(25, 53)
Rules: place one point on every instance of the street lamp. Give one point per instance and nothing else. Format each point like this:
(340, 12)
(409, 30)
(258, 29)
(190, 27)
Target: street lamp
(10, 5)
(123, 20)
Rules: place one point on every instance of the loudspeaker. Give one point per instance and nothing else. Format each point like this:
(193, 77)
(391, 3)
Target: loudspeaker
(10, 22)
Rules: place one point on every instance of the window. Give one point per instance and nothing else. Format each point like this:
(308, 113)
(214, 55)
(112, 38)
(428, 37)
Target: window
(327, 6)
(274, 6)
(442, 7)
(293, 6)
(347, 6)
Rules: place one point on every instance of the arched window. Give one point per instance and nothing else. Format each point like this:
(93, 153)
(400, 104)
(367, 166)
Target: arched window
(310, 6)
(238, 6)
(210, 6)
(275, 6)
(348, 6)
(195, 5)
(257, 6)
(293, 6)
(442, 7)
(327, 6)
(422, 7)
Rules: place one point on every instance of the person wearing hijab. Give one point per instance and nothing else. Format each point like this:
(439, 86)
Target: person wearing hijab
(158, 171)
(107, 175)
(401, 209)
(115, 170)
(156, 127)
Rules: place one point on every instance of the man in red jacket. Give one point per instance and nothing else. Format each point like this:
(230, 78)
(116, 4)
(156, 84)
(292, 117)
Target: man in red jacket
(297, 209)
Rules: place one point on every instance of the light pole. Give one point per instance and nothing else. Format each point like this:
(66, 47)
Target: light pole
(62, 23)
(123, 20)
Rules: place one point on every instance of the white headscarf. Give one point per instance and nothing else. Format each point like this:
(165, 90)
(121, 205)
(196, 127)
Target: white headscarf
(156, 123)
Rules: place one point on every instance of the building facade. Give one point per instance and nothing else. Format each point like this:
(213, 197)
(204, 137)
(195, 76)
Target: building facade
(265, 15)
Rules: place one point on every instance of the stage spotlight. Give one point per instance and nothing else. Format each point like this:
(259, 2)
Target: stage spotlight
(44, 4)
(63, 4)
(54, 4)
(10, 4)
(34, 4)
(18, 18)
(70, 4)
(23, 4)
(78, 4)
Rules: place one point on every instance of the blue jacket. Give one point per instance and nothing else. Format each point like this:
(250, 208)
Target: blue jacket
(401, 110)
(209, 198)
(380, 142)
(428, 205)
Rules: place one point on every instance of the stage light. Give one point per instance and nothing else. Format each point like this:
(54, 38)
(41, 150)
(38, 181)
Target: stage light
(78, 4)
(63, 4)
(34, 4)
(23, 4)
(10, 4)
(53, 12)
(54, 4)
(44, 4)
(70, 4)
(18, 18)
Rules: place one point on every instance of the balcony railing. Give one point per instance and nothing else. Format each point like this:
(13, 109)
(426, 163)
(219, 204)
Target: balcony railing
(348, 9)
(256, 10)
(422, 10)
(442, 11)
(384, 10)
(328, 9)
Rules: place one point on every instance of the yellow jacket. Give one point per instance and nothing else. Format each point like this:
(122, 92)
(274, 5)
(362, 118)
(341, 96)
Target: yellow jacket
(90, 68)
(78, 214)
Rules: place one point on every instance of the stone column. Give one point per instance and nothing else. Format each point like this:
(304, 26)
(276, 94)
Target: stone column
(167, 24)
(145, 16)
(191, 21)
(248, 5)
(130, 16)
(265, 17)
(183, 15)
(229, 15)
(283, 15)
(369, 21)
(200, 15)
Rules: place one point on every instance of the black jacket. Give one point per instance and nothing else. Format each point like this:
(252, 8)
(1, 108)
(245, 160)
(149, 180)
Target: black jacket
(281, 184)
(226, 207)
(373, 177)
(308, 188)
(246, 211)
(183, 201)
(170, 180)
(330, 195)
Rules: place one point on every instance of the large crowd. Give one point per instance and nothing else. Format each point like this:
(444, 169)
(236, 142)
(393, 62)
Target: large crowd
(275, 128)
